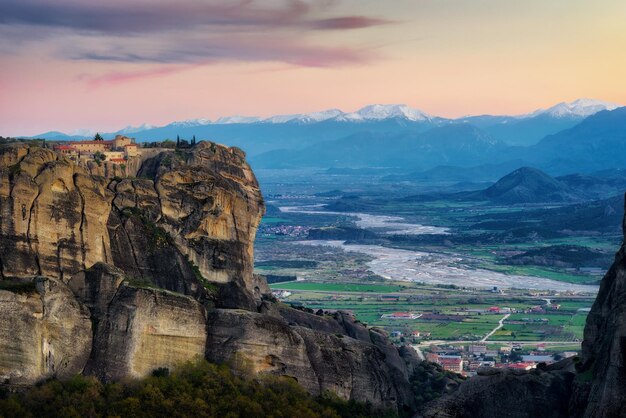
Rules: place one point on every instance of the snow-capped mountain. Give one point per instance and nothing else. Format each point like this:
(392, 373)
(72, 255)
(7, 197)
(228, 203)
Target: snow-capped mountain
(281, 118)
(237, 119)
(319, 116)
(133, 129)
(580, 108)
(380, 112)
(374, 112)
(295, 129)
(191, 122)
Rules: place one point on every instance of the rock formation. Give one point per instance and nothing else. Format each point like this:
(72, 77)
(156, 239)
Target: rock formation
(592, 386)
(601, 383)
(117, 276)
(44, 331)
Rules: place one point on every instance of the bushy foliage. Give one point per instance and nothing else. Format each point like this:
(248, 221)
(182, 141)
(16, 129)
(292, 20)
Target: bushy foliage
(429, 381)
(197, 389)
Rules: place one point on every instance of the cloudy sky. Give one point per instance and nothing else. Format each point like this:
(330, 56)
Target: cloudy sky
(103, 65)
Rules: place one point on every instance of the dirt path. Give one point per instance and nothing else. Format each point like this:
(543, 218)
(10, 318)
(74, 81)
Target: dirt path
(493, 331)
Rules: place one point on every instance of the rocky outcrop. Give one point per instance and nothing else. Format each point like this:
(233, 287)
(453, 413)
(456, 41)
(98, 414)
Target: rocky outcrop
(52, 214)
(601, 385)
(44, 332)
(323, 353)
(189, 218)
(145, 329)
(592, 386)
(147, 271)
(509, 393)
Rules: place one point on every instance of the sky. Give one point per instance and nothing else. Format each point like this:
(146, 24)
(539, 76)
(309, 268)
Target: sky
(102, 65)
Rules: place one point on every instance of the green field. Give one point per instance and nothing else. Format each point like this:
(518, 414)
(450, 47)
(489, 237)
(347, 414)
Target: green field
(446, 314)
(554, 327)
(539, 272)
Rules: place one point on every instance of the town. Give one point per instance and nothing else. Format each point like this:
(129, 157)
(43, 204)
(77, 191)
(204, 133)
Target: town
(467, 359)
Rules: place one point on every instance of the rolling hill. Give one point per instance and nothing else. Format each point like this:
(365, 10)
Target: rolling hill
(530, 185)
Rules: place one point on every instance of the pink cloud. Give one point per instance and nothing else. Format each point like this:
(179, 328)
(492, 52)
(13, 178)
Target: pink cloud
(120, 77)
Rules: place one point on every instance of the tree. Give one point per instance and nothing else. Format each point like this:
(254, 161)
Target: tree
(98, 156)
(98, 137)
(193, 140)
(177, 141)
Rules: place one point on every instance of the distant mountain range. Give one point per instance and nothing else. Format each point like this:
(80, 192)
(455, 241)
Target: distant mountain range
(591, 145)
(257, 135)
(453, 144)
(581, 136)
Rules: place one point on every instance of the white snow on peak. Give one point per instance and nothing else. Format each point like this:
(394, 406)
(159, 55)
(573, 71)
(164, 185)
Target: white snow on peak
(281, 118)
(371, 112)
(134, 129)
(306, 117)
(579, 108)
(380, 112)
(236, 119)
(192, 122)
(320, 116)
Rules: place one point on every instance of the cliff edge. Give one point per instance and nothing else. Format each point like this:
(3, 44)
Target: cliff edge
(115, 277)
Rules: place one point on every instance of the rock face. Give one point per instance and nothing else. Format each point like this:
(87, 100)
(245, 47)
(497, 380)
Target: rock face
(593, 386)
(44, 332)
(52, 214)
(602, 381)
(323, 353)
(189, 214)
(116, 277)
(509, 393)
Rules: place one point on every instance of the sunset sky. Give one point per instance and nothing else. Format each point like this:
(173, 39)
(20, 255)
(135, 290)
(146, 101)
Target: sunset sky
(103, 65)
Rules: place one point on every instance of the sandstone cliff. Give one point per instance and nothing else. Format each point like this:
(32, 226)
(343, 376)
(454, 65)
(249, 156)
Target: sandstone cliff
(117, 276)
(600, 390)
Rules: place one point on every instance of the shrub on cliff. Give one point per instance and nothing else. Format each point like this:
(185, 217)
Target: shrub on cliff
(193, 390)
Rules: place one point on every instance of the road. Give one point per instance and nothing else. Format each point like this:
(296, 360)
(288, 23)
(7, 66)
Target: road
(428, 343)
(493, 331)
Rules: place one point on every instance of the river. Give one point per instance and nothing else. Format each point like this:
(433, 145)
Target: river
(427, 267)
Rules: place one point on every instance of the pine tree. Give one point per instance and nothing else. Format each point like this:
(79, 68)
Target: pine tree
(193, 140)
(98, 137)
(177, 141)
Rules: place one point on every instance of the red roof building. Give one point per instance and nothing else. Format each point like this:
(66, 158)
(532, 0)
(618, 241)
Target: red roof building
(451, 363)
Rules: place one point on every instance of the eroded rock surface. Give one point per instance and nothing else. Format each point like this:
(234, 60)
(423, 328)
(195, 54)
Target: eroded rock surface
(601, 386)
(317, 351)
(145, 329)
(150, 270)
(52, 215)
(190, 216)
(44, 332)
